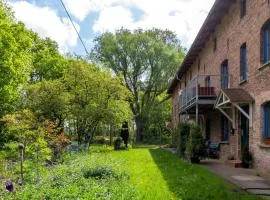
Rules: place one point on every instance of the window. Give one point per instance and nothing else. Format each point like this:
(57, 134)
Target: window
(224, 75)
(243, 62)
(199, 65)
(266, 42)
(207, 81)
(266, 117)
(215, 44)
(243, 8)
(224, 129)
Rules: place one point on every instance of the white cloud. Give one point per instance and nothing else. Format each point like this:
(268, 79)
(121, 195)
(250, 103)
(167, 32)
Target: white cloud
(116, 14)
(81, 8)
(46, 23)
(185, 17)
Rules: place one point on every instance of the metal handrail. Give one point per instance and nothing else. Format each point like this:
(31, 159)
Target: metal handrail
(200, 86)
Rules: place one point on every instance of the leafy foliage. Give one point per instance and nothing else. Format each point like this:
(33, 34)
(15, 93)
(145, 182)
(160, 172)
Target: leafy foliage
(182, 132)
(142, 173)
(95, 97)
(195, 145)
(48, 63)
(15, 59)
(57, 141)
(48, 100)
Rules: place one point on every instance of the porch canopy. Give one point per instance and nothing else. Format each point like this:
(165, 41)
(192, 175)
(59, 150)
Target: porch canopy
(232, 99)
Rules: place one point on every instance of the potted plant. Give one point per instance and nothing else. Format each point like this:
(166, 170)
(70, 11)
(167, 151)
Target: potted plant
(195, 149)
(117, 143)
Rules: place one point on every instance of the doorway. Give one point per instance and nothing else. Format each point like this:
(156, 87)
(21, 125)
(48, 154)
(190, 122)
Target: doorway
(208, 130)
(244, 129)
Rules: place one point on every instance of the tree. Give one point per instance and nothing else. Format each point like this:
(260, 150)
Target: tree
(146, 60)
(95, 97)
(48, 63)
(15, 59)
(23, 127)
(48, 100)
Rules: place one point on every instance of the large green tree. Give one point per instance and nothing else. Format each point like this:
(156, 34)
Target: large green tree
(48, 63)
(15, 59)
(146, 60)
(95, 97)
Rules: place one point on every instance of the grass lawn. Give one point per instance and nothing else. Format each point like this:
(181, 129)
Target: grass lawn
(140, 173)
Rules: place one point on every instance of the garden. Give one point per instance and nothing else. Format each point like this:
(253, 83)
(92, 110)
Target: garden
(142, 172)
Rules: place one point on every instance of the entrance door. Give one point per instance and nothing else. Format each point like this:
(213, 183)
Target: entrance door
(244, 127)
(208, 130)
(224, 75)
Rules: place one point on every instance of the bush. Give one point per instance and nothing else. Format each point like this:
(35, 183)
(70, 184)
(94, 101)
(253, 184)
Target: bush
(102, 172)
(182, 133)
(117, 143)
(195, 148)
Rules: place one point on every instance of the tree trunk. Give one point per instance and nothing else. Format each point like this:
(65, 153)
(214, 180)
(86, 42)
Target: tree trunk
(139, 129)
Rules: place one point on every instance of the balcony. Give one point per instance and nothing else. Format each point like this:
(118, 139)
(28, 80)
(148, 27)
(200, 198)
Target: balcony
(201, 91)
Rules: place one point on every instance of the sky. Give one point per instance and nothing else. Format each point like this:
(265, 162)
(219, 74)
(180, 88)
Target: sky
(94, 17)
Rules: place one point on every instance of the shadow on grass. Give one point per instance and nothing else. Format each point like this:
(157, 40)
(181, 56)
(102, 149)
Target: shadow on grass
(144, 146)
(187, 181)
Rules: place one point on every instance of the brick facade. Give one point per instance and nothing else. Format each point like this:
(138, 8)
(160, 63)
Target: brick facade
(230, 34)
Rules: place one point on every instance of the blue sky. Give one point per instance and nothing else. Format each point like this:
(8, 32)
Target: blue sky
(93, 17)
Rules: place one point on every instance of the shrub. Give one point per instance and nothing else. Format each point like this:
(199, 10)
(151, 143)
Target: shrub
(195, 146)
(182, 130)
(102, 172)
(117, 143)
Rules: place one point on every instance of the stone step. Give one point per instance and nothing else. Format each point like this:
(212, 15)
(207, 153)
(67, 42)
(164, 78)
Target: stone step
(234, 163)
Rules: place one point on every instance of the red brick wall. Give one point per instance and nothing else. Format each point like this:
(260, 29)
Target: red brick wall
(231, 33)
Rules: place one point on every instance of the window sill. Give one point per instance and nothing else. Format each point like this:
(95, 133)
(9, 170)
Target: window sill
(242, 82)
(264, 146)
(224, 142)
(264, 65)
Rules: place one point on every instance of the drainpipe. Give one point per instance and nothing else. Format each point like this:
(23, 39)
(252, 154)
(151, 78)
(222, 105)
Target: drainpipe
(197, 105)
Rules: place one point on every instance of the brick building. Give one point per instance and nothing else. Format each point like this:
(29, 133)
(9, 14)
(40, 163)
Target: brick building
(224, 81)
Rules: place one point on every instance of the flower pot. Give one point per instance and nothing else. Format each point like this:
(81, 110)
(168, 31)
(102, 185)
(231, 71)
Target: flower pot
(195, 160)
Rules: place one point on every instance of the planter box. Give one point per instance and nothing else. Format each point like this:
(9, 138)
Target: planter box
(266, 141)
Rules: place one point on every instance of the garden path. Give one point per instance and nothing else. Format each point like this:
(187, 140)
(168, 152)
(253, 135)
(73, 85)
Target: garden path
(250, 180)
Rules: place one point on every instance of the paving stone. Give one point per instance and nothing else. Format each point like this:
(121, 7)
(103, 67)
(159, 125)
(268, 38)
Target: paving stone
(259, 192)
(253, 185)
(247, 178)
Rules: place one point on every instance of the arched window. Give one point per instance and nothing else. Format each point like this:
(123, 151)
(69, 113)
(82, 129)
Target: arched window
(266, 120)
(265, 37)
